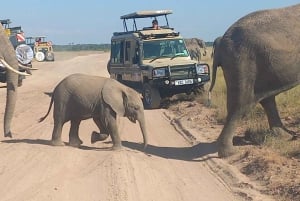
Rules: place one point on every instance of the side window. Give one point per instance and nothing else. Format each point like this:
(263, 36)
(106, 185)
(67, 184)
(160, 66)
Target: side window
(117, 52)
(127, 51)
(135, 53)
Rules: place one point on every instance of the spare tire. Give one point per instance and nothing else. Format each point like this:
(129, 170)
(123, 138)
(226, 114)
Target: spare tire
(49, 56)
(24, 54)
(40, 56)
(151, 97)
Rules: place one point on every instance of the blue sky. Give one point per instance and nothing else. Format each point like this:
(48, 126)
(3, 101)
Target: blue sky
(94, 21)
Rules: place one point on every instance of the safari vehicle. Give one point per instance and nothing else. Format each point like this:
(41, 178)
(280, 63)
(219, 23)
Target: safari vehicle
(15, 34)
(155, 62)
(43, 50)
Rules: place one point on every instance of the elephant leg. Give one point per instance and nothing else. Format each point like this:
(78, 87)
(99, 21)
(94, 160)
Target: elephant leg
(103, 135)
(74, 139)
(237, 107)
(112, 127)
(225, 144)
(275, 124)
(56, 134)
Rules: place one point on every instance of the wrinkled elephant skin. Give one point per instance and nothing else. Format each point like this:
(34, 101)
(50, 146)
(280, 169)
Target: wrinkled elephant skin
(260, 58)
(78, 97)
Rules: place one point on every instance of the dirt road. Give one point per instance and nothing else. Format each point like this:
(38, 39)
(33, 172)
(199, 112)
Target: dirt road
(171, 169)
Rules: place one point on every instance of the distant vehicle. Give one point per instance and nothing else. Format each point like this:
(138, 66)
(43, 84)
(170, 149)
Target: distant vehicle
(43, 49)
(24, 52)
(15, 34)
(154, 60)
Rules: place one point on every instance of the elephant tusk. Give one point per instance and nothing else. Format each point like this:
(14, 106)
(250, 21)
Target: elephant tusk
(26, 67)
(11, 68)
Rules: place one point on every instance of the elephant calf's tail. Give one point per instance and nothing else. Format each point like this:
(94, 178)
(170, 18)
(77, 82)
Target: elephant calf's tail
(49, 109)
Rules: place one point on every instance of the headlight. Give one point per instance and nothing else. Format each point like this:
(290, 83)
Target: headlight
(160, 72)
(201, 68)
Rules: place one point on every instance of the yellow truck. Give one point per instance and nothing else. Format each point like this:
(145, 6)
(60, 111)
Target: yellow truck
(43, 49)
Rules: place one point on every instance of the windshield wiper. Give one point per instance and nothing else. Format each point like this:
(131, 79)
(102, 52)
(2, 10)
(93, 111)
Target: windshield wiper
(157, 58)
(176, 55)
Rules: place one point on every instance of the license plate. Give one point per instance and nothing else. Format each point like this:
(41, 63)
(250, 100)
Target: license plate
(183, 82)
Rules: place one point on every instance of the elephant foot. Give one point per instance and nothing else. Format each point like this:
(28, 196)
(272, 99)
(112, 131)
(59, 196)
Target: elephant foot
(116, 147)
(75, 142)
(98, 137)
(57, 143)
(225, 149)
(283, 133)
(8, 134)
(225, 152)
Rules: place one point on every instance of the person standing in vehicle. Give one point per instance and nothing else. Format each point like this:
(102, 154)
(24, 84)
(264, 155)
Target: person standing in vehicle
(155, 24)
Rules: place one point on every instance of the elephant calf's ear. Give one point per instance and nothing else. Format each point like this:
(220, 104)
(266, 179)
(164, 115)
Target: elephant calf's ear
(113, 96)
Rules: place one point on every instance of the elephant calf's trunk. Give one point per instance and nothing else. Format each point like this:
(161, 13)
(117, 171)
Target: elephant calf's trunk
(144, 132)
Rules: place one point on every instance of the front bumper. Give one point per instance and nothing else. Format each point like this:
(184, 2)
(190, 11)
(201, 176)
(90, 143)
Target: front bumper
(171, 86)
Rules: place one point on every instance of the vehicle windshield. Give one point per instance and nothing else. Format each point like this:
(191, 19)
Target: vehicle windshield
(164, 49)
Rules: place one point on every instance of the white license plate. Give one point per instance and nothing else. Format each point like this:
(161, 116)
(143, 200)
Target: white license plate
(183, 82)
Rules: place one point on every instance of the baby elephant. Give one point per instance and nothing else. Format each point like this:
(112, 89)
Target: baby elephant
(78, 97)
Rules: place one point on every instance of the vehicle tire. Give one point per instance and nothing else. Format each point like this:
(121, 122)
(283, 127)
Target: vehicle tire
(108, 66)
(199, 90)
(40, 56)
(49, 56)
(151, 97)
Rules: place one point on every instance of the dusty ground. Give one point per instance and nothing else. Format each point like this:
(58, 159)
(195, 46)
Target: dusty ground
(180, 163)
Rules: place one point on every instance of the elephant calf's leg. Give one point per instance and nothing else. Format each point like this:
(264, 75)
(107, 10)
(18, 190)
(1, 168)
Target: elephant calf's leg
(95, 137)
(74, 139)
(112, 127)
(103, 135)
(56, 134)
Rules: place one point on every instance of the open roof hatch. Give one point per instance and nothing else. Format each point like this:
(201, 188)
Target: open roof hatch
(145, 14)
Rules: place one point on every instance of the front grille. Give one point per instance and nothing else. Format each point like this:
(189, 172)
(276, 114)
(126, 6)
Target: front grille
(182, 72)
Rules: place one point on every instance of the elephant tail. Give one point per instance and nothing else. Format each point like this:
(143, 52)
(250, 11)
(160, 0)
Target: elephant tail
(215, 65)
(212, 84)
(49, 109)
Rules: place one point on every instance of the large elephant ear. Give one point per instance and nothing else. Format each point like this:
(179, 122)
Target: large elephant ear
(112, 94)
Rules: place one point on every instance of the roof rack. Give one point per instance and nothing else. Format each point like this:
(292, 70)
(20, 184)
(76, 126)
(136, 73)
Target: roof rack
(5, 23)
(145, 14)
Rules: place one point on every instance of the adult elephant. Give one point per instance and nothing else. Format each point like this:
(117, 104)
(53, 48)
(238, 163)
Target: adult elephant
(10, 63)
(260, 58)
(79, 96)
(194, 46)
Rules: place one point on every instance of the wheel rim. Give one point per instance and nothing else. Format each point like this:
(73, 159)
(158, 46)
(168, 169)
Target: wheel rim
(40, 56)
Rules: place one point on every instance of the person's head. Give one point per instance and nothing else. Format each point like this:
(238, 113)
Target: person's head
(155, 24)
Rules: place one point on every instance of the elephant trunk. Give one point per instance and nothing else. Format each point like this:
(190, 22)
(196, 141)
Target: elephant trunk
(11, 100)
(142, 123)
(7, 54)
(11, 94)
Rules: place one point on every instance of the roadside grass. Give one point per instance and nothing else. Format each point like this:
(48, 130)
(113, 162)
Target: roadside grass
(255, 123)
